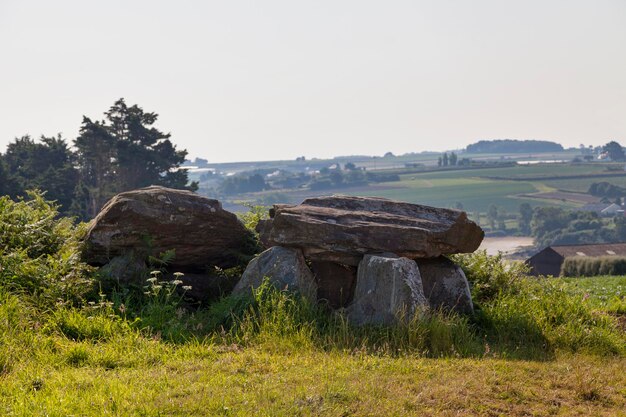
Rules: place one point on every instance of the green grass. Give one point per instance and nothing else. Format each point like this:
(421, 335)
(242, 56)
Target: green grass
(607, 293)
(278, 362)
(547, 170)
(582, 184)
(199, 380)
(533, 346)
(446, 189)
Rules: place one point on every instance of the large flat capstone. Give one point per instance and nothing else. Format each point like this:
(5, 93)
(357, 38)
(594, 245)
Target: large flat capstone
(156, 219)
(344, 228)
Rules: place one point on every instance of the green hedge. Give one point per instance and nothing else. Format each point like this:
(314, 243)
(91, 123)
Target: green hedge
(581, 266)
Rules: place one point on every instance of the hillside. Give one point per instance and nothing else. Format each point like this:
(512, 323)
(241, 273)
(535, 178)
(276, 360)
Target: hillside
(513, 146)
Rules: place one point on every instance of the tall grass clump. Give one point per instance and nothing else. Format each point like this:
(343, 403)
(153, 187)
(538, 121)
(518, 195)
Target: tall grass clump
(277, 317)
(16, 334)
(525, 316)
(286, 320)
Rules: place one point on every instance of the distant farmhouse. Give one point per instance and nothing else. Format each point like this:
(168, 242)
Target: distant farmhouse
(550, 260)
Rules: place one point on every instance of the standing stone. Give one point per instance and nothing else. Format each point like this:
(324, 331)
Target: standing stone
(388, 288)
(445, 285)
(285, 268)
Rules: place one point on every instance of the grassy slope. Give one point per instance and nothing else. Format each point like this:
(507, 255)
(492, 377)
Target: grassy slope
(200, 380)
(118, 371)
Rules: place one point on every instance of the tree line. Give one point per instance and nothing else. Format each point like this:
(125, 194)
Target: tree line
(124, 151)
(558, 226)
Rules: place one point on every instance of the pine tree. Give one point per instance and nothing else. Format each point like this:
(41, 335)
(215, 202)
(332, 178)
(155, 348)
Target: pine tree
(124, 152)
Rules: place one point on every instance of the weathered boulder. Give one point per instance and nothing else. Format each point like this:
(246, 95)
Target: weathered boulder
(335, 283)
(445, 285)
(342, 229)
(125, 269)
(387, 289)
(284, 267)
(156, 219)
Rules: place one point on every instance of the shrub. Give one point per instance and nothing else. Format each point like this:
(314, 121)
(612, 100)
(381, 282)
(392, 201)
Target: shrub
(489, 276)
(39, 252)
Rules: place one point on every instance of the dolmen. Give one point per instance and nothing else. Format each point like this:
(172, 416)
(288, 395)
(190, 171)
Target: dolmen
(380, 260)
(377, 260)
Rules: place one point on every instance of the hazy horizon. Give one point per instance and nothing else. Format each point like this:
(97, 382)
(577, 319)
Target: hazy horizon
(248, 81)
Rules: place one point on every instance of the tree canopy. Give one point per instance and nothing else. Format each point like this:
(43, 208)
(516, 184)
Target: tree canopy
(615, 151)
(122, 152)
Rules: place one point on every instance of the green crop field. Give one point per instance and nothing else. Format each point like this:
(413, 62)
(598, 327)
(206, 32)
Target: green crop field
(607, 292)
(475, 189)
(546, 170)
(475, 194)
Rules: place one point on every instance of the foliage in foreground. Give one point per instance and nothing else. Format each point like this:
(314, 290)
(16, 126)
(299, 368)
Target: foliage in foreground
(516, 316)
(39, 254)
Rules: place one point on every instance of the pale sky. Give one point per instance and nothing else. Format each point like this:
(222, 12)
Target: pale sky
(258, 80)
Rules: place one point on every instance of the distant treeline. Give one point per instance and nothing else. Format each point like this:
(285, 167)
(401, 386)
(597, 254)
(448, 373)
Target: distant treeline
(513, 146)
(606, 189)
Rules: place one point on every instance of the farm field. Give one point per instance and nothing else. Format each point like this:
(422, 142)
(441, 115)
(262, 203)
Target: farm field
(474, 194)
(443, 189)
(607, 293)
(474, 190)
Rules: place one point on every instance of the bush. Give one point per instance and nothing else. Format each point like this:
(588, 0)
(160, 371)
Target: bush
(39, 252)
(489, 276)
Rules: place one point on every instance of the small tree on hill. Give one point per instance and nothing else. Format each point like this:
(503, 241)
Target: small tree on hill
(453, 159)
(525, 217)
(615, 151)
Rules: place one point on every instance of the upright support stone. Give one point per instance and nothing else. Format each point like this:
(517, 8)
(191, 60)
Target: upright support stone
(445, 285)
(388, 288)
(284, 267)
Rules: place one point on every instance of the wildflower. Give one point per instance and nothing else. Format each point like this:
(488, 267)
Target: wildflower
(186, 287)
(152, 280)
(176, 282)
(178, 274)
